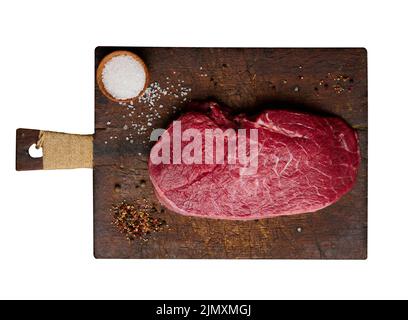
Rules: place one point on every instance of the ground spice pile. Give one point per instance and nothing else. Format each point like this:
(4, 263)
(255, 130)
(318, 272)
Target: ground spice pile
(136, 221)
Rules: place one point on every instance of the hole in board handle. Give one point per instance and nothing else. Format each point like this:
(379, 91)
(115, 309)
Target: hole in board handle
(35, 152)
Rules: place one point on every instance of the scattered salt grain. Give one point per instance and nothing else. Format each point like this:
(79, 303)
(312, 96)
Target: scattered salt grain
(150, 104)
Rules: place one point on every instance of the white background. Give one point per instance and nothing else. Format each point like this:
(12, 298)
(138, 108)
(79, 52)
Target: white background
(46, 82)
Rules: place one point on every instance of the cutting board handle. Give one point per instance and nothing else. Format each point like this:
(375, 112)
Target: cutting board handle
(38, 150)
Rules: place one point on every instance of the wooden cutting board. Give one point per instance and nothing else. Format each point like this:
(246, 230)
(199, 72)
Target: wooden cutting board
(315, 80)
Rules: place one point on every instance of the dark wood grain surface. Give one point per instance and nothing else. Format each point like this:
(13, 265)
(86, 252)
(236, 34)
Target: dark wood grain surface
(323, 81)
(25, 138)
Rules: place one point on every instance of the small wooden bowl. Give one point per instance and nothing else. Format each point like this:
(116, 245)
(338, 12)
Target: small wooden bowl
(102, 66)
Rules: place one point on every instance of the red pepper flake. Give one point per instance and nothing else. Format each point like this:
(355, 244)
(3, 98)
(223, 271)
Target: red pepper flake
(136, 221)
(341, 77)
(338, 88)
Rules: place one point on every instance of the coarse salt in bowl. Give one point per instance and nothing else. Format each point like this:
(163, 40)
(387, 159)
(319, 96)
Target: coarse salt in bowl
(122, 76)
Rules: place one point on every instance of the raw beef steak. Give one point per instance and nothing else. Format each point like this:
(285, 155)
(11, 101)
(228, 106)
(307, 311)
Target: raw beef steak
(304, 163)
